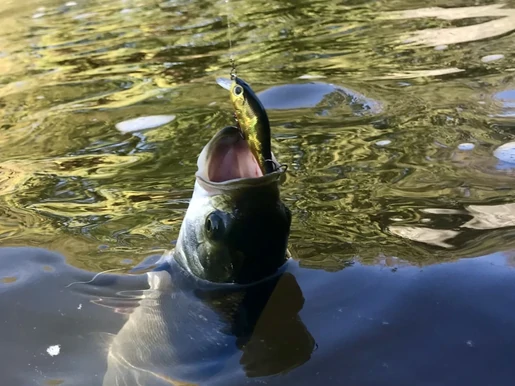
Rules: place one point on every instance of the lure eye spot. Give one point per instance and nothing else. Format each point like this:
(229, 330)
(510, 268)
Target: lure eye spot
(238, 90)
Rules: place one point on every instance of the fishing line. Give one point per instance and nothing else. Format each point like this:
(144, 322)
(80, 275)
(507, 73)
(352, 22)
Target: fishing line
(231, 55)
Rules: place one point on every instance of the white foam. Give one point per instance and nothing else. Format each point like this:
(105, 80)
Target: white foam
(54, 350)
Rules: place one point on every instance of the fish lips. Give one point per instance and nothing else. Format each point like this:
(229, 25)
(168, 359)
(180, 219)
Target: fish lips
(223, 142)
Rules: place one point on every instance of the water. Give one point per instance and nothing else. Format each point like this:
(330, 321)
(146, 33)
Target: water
(394, 220)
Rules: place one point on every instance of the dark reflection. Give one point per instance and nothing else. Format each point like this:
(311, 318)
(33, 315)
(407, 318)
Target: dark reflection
(189, 330)
(267, 325)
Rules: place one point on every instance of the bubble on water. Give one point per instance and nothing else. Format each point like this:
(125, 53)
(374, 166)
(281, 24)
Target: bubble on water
(492, 58)
(38, 15)
(71, 4)
(466, 146)
(506, 152)
(384, 142)
(144, 123)
(441, 47)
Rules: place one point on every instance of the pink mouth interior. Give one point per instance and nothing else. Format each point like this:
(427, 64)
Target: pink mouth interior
(232, 159)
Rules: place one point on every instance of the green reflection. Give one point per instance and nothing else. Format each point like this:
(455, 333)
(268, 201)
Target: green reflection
(69, 180)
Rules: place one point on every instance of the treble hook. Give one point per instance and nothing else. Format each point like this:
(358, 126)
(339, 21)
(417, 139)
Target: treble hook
(277, 166)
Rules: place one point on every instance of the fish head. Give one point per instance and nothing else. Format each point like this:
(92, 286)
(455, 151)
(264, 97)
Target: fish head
(236, 227)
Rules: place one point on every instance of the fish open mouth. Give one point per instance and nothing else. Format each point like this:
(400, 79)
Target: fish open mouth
(229, 157)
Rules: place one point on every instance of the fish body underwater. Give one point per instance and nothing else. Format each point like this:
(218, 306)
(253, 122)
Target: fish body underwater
(207, 298)
(252, 119)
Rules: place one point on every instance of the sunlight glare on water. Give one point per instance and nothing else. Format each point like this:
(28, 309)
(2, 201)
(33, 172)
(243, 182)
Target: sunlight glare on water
(387, 113)
(396, 120)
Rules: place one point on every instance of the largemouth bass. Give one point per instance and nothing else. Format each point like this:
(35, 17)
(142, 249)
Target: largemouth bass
(207, 297)
(233, 210)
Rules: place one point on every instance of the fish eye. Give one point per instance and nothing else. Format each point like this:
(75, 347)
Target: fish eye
(238, 90)
(215, 226)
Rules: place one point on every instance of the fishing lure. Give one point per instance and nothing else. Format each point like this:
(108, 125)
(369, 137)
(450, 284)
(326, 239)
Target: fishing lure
(252, 120)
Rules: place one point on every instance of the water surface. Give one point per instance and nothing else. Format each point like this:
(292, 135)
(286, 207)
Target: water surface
(370, 102)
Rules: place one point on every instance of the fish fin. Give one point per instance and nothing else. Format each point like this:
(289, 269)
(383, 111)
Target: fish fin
(151, 262)
(159, 280)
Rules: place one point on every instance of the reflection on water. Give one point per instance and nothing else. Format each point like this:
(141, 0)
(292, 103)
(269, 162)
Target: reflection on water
(425, 235)
(503, 23)
(388, 115)
(507, 98)
(491, 216)
(106, 107)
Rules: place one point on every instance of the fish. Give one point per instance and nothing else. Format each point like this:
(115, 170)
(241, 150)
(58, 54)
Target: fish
(252, 119)
(233, 206)
(205, 297)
